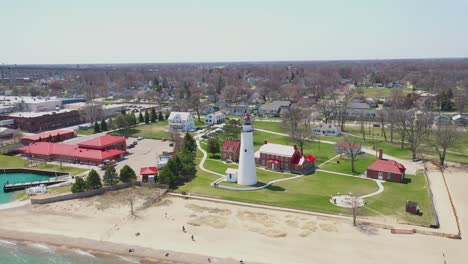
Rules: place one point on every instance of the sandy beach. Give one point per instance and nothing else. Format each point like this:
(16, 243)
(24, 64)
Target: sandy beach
(225, 233)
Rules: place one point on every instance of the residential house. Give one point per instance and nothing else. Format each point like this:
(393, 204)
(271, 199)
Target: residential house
(215, 118)
(273, 108)
(181, 122)
(460, 120)
(326, 130)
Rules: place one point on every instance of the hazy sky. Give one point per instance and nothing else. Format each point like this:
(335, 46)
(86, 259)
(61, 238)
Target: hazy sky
(113, 31)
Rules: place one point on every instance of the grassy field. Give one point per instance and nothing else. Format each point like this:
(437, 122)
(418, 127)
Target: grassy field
(360, 164)
(156, 130)
(378, 92)
(392, 201)
(88, 131)
(7, 162)
(457, 153)
(312, 192)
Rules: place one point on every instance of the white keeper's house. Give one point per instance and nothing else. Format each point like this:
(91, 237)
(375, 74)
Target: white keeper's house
(181, 122)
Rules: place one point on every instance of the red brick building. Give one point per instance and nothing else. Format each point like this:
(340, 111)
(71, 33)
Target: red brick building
(34, 122)
(388, 170)
(104, 143)
(51, 136)
(284, 158)
(230, 150)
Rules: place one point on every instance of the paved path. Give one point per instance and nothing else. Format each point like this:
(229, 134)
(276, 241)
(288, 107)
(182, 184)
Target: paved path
(441, 200)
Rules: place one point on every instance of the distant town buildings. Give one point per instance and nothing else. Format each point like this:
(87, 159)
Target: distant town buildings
(273, 109)
(41, 121)
(50, 136)
(181, 122)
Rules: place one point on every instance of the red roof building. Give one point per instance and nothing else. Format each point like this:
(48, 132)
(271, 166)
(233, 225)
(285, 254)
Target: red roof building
(388, 170)
(50, 136)
(148, 171)
(105, 142)
(284, 158)
(230, 150)
(70, 153)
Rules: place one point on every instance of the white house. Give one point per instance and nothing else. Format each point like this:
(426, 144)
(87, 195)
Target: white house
(215, 118)
(181, 122)
(231, 175)
(326, 130)
(460, 120)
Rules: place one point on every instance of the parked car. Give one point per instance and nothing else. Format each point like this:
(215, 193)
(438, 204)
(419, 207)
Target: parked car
(140, 138)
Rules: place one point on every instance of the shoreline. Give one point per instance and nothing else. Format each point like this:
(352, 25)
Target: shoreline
(104, 249)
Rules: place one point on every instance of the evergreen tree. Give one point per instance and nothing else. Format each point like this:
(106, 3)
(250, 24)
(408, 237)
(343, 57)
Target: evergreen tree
(188, 144)
(186, 167)
(110, 124)
(167, 175)
(153, 115)
(103, 125)
(127, 174)
(147, 118)
(79, 185)
(93, 181)
(97, 128)
(213, 146)
(141, 119)
(160, 116)
(111, 177)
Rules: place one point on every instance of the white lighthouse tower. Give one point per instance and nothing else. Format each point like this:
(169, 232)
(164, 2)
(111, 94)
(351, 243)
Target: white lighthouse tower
(247, 174)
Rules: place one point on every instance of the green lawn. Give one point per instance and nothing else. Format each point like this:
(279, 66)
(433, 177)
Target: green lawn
(310, 192)
(360, 164)
(394, 149)
(88, 131)
(7, 162)
(378, 92)
(392, 201)
(158, 130)
(271, 126)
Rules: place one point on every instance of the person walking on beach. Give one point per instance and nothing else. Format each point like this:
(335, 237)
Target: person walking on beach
(183, 229)
(193, 238)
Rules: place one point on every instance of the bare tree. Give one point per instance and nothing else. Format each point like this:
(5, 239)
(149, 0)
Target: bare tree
(354, 207)
(325, 108)
(443, 137)
(350, 148)
(298, 123)
(416, 125)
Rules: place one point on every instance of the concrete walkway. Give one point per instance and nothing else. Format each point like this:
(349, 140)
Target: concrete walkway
(441, 200)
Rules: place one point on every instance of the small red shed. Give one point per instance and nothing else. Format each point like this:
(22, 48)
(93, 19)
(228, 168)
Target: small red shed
(148, 171)
(388, 170)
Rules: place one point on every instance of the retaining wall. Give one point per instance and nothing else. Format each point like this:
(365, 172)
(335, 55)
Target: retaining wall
(44, 172)
(91, 193)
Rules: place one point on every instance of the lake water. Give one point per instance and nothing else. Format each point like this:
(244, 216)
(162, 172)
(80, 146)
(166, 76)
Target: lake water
(16, 178)
(12, 252)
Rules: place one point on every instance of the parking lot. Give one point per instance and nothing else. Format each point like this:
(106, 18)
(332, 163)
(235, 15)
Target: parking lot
(144, 154)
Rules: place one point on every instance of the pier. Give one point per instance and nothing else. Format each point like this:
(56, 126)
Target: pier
(21, 186)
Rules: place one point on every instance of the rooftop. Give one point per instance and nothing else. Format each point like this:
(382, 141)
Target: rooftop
(102, 141)
(277, 149)
(49, 133)
(37, 114)
(385, 165)
(48, 149)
